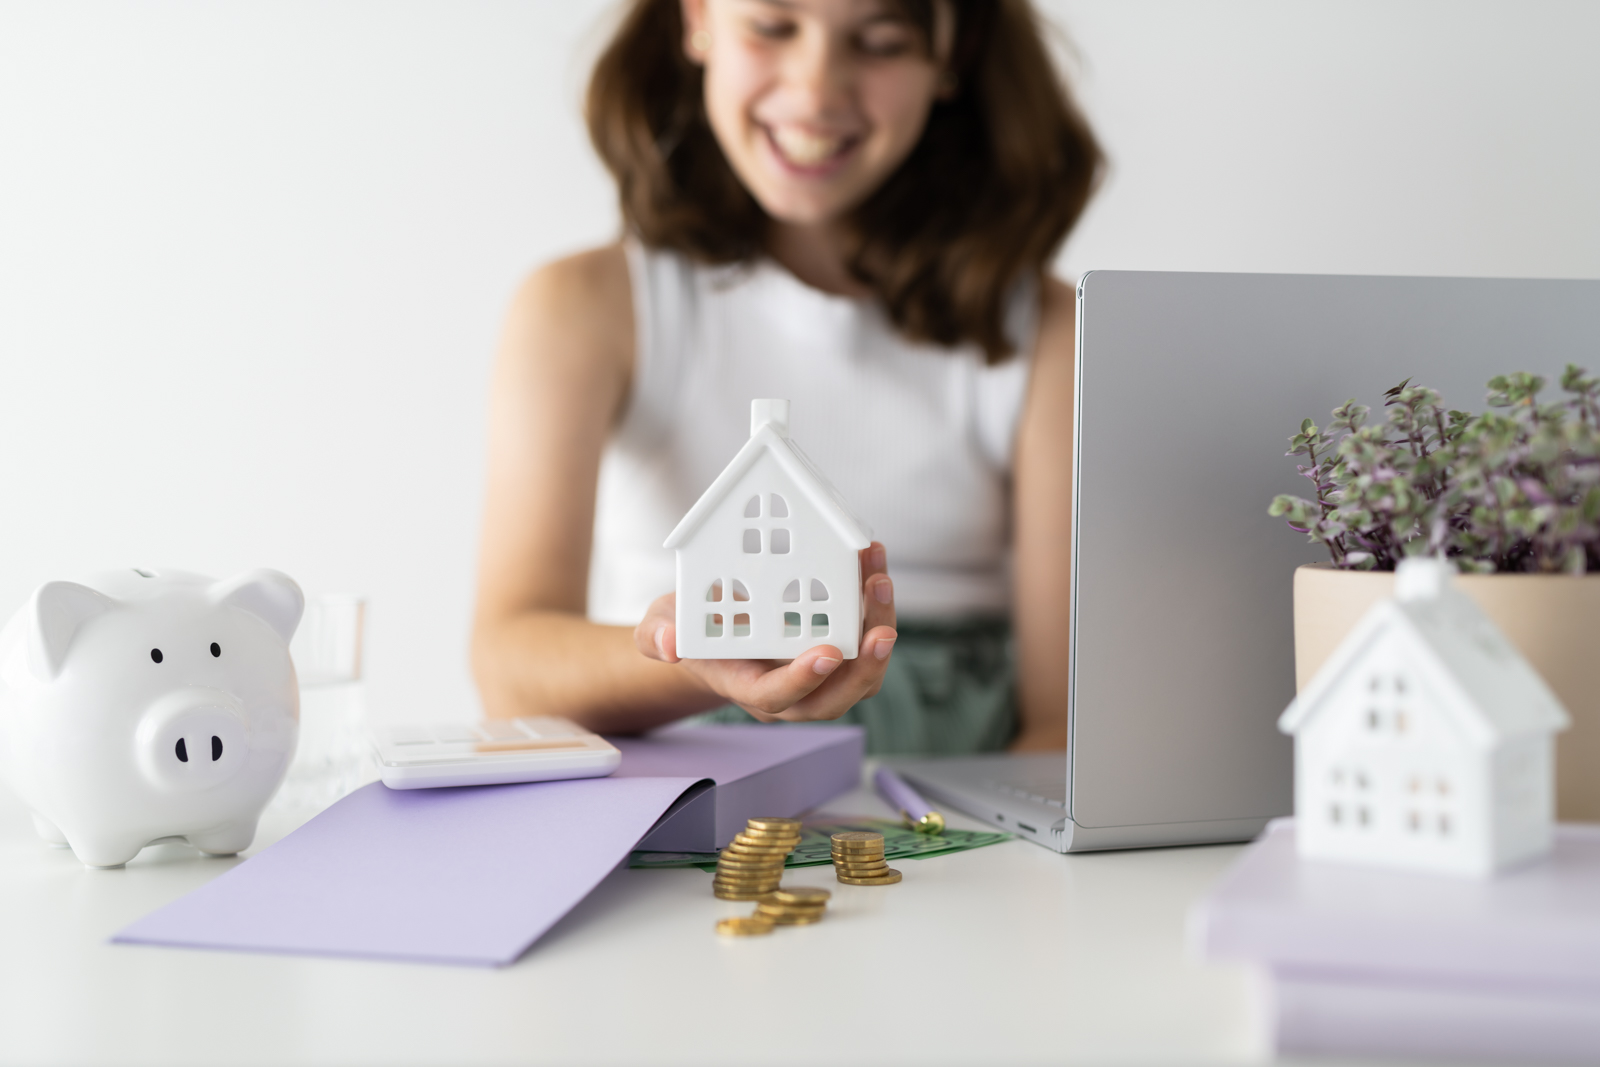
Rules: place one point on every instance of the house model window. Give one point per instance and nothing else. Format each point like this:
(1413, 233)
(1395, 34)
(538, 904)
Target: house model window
(1425, 741)
(767, 558)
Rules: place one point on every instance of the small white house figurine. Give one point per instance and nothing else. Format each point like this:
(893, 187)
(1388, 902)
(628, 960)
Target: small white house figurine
(1425, 741)
(768, 562)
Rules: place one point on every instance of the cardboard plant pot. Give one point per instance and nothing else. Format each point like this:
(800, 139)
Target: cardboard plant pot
(1552, 619)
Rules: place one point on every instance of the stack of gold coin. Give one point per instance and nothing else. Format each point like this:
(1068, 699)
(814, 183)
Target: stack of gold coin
(795, 906)
(858, 859)
(753, 864)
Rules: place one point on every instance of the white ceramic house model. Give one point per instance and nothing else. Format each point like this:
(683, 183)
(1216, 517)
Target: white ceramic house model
(767, 557)
(1425, 741)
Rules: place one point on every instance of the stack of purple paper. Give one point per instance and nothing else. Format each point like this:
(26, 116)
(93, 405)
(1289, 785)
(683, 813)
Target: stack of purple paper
(1368, 961)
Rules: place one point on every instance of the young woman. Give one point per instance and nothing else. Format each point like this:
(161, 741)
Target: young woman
(852, 204)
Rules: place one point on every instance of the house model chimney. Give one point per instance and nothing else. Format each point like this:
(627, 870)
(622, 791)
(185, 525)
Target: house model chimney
(773, 411)
(1419, 578)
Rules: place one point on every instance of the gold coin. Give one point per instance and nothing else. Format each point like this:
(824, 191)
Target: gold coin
(761, 889)
(739, 849)
(772, 900)
(777, 911)
(737, 864)
(750, 876)
(857, 835)
(802, 894)
(890, 878)
(863, 872)
(798, 920)
(750, 927)
(728, 894)
(856, 857)
(765, 842)
(768, 823)
(813, 914)
(857, 853)
(768, 906)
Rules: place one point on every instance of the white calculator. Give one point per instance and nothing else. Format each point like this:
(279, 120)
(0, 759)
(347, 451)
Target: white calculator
(491, 752)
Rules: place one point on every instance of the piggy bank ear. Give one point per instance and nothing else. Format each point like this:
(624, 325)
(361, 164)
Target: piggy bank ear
(56, 612)
(271, 596)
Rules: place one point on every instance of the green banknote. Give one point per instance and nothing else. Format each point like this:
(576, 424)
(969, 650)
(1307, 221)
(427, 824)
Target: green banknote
(899, 843)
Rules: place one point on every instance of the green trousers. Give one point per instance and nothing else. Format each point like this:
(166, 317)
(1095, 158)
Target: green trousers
(950, 690)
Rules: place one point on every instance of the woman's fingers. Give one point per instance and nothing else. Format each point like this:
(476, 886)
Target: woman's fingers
(657, 634)
(877, 594)
(766, 689)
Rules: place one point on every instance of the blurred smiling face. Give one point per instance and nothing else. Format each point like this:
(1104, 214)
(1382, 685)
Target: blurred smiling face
(815, 102)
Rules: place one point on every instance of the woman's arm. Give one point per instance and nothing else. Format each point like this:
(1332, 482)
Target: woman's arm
(1042, 508)
(561, 378)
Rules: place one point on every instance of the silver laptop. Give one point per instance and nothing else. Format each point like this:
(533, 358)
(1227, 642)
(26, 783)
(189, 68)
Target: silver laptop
(1181, 642)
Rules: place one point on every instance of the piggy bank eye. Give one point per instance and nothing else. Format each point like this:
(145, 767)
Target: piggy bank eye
(155, 654)
(216, 649)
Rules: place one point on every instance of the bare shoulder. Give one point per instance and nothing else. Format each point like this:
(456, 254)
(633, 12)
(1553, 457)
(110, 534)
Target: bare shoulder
(577, 310)
(594, 279)
(1058, 308)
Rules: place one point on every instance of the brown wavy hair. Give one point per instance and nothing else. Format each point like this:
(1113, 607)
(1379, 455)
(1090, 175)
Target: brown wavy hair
(1003, 169)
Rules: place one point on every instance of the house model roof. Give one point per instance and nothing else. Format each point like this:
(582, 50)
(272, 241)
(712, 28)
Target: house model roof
(769, 435)
(1487, 686)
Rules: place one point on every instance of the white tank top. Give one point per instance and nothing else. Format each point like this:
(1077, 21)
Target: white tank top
(917, 438)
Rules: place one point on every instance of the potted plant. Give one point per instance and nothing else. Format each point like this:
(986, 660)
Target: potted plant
(1511, 496)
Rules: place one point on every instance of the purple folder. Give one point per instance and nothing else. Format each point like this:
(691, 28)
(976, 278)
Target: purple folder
(771, 770)
(476, 875)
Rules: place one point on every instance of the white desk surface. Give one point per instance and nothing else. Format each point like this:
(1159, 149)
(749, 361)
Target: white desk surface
(1006, 954)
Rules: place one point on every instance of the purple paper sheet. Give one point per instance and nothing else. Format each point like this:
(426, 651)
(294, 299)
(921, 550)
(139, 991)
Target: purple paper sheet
(1366, 961)
(1539, 923)
(465, 876)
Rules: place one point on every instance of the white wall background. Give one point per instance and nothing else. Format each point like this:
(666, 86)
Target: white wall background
(253, 254)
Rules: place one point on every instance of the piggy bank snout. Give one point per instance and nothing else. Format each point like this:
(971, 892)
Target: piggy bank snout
(192, 738)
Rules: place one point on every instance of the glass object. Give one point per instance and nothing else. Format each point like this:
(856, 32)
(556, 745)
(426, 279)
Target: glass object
(333, 757)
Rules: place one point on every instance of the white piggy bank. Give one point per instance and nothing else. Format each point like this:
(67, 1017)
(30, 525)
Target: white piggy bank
(143, 705)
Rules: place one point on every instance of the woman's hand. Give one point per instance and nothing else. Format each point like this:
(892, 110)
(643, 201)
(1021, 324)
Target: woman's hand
(817, 684)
